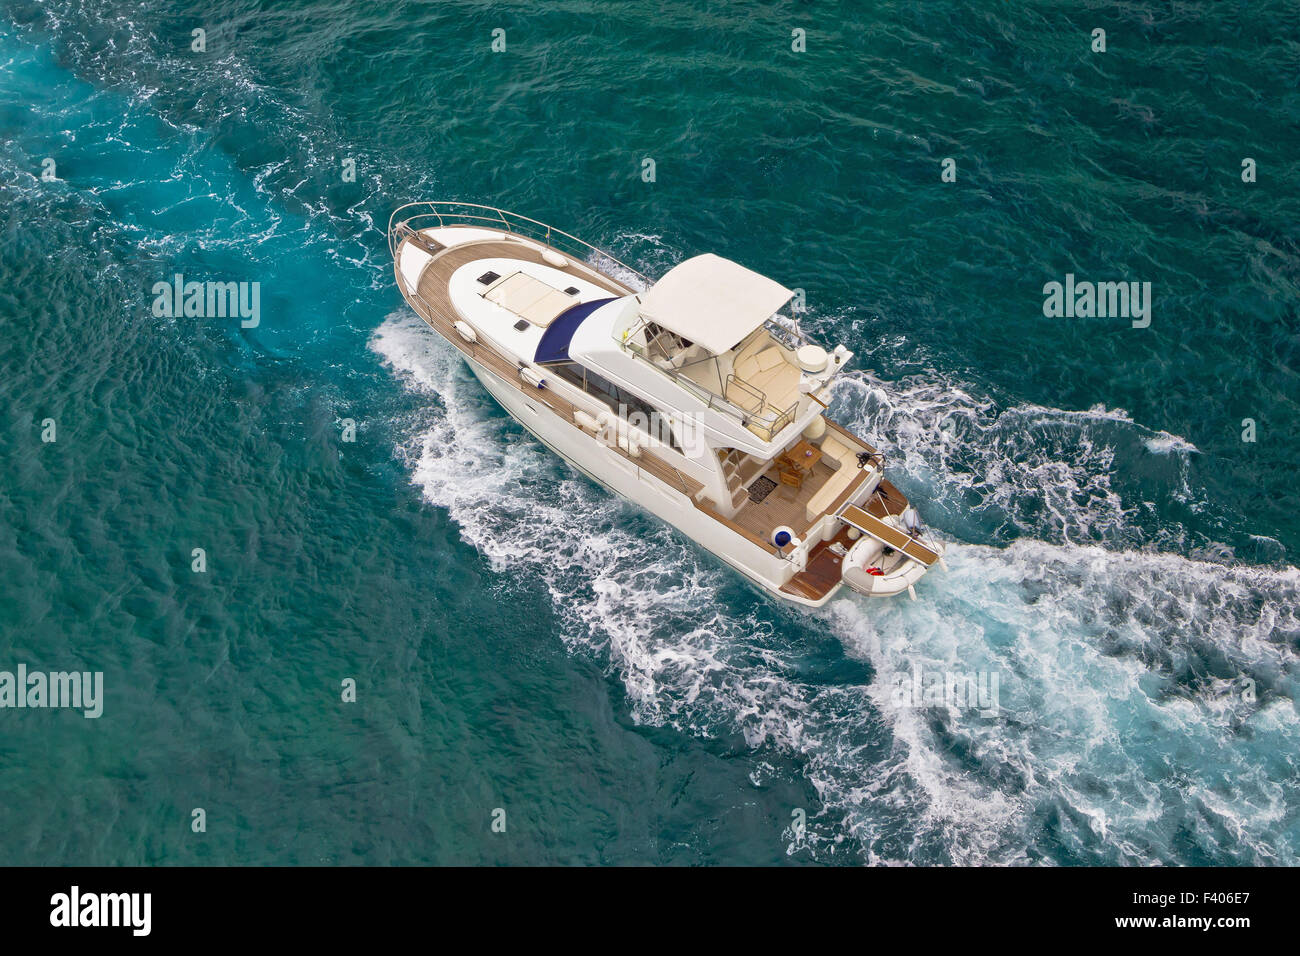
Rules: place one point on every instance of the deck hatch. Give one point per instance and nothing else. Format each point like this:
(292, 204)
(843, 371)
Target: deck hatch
(529, 297)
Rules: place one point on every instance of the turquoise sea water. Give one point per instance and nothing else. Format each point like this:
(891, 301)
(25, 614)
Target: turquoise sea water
(519, 638)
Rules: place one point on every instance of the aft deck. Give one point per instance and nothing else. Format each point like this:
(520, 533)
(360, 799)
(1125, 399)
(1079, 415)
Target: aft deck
(787, 506)
(824, 561)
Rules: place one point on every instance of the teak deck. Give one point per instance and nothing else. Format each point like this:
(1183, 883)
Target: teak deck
(433, 280)
(754, 521)
(434, 306)
(823, 571)
(786, 506)
(890, 535)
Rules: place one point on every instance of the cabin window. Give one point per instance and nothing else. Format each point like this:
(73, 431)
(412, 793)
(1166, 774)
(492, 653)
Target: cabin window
(627, 405)
(571, 372)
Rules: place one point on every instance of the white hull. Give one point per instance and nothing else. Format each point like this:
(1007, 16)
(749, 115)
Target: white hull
(718, 432)
(618, 475)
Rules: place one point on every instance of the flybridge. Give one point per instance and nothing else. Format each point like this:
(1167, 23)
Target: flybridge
(713, 302)
(712, 326)
(771, 378)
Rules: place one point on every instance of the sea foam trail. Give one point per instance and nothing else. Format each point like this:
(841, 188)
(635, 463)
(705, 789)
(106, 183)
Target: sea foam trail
(1125, 732)
(996, 474)
(1144, 698)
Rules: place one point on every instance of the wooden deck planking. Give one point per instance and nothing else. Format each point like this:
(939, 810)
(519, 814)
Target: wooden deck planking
(781, 507)
(432, 287)
(891, 536)
(823, 570)
(436, 310)
(754, 521)
(887, 500)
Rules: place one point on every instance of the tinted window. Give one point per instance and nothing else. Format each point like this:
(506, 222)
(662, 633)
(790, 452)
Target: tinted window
(571, 372)
(619, 400)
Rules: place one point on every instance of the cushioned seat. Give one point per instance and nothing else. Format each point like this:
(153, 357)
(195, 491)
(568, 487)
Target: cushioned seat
(827, 493)
(835, 450)
(844, 460)
(763, 367)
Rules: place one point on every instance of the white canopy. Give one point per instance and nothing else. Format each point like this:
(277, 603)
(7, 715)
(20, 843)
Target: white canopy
(712, 301)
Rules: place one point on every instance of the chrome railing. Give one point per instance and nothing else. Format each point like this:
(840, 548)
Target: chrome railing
(755, 421)
(425, 215)
(406, 222)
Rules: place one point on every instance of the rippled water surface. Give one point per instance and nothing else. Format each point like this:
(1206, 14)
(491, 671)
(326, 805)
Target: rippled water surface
(520, 639)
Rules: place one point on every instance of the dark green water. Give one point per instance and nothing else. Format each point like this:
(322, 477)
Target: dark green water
(521, 640)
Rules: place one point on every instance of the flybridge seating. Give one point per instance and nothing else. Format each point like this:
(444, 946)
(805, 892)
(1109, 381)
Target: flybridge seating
(758, 380)
(710, 324)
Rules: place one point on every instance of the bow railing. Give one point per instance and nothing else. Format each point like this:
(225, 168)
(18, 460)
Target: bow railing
(416, 216)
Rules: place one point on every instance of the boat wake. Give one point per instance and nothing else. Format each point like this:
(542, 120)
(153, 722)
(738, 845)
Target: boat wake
(1145, 701)
(994, 475)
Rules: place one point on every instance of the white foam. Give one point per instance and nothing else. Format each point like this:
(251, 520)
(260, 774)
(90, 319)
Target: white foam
(1165, 443)
(1043, 472)
(1107, 727)
(1094, 650)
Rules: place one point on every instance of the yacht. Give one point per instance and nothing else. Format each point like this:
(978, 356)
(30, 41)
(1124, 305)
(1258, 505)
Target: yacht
(693, 395)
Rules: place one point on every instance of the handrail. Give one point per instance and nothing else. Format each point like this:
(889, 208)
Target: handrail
(637, 462)
(446, 212)
(408, 219)
(716, 402)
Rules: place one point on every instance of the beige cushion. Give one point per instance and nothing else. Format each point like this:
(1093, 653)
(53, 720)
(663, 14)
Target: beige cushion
(744, 398)
(828, 492)
(832, 447)
(530, 298)
(780, 385)
(745, 369)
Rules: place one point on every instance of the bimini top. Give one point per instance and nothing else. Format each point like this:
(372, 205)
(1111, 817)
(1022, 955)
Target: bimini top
(712, 301)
